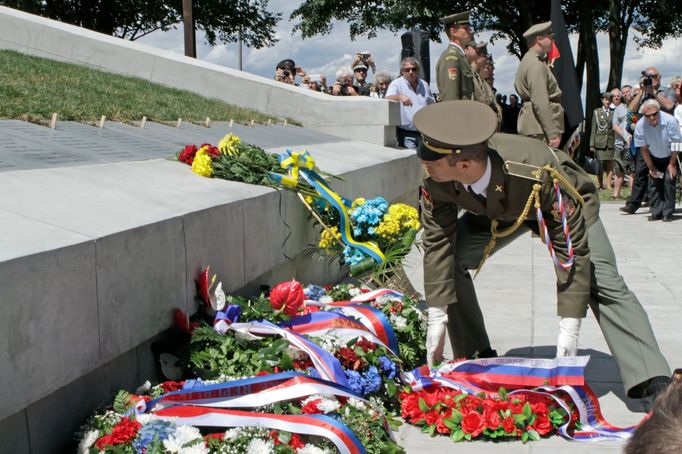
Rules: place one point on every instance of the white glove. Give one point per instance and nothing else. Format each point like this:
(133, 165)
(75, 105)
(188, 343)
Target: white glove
(436, 327)
(567, 341)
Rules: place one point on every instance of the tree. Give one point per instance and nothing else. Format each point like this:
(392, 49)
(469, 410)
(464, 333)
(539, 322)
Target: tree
(224, 21)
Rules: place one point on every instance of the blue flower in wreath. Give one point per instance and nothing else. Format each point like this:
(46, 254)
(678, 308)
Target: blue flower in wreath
(353, 256)
(314, 292)
(387, 367)
(368, 215)
(157, 429)
(371, 381)
(190, 384)
(355, 381)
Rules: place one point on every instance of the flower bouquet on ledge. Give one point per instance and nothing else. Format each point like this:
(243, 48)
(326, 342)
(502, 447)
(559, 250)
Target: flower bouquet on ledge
(369, 237)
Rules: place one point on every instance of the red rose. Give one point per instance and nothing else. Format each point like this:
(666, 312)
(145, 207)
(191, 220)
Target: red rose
(508, 425)
(492, 419)
(288, 297)
(472, 424)
(542, 424)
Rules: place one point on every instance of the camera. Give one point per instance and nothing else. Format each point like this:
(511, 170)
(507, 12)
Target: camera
(286, 73)
(647, 79)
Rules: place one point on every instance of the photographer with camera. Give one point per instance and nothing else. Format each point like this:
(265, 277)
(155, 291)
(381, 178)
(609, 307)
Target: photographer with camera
(344, 84)
(650, 88)
(286, 71)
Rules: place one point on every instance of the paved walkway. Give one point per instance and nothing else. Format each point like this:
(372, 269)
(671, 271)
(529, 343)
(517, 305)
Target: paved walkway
(516, 289)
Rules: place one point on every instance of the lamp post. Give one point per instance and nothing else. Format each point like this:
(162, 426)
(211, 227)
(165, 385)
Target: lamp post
(188, 25)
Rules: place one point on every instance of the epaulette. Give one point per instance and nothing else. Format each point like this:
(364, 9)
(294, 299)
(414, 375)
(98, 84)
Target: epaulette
(527, 171)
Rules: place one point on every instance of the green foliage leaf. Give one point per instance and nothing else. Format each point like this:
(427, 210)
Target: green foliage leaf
(422, 405)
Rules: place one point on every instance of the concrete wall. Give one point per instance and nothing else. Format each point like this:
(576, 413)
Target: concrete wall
(357, 118)
(94, 259)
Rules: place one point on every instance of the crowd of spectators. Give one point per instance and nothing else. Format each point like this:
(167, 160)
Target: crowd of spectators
(612, 140)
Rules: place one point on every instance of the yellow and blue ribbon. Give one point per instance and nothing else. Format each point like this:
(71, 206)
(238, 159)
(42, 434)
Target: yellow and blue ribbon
(302, 164)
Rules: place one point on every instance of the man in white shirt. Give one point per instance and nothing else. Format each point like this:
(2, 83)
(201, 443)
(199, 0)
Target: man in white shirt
(413, 93)
(658, 136)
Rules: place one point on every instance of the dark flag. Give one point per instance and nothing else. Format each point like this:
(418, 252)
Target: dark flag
(563, 67)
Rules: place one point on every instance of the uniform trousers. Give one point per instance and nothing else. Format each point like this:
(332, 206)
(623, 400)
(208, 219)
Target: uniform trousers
(622, 319)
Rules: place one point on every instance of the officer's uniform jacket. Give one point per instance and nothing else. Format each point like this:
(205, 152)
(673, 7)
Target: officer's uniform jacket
(506, 198)
(454, 75)
(541, 112)
(484, 92)
(601, 137)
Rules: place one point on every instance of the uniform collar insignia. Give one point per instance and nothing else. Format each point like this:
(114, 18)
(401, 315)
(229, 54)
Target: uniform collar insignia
(498, 188)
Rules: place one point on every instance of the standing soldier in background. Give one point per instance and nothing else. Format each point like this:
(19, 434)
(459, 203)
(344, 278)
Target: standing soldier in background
(601, 139)
(477, 56)
(453, 72)
(542, 115)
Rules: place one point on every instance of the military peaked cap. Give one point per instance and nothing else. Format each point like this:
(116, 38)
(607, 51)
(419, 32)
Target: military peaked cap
(544, 28)
(456, 19)
(606, 94)
(447, 127)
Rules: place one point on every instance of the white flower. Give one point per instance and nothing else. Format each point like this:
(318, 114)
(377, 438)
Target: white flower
(199, 448)
(232, 434)
(354, 291)
(311, 449)
(146, 386)
(325, 405)
(398, 322)
(326, 299)
(295, 353)
(258, 446)
(182, 436)
(356, 403)
(218, 298)
(88, 440)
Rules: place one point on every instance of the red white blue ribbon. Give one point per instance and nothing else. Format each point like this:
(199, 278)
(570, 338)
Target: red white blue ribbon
(253, 392)
(555, 378)
(325, 363)
(374, 294)
(372, 319)
(347, 324)
(318, 425)
(567, 234)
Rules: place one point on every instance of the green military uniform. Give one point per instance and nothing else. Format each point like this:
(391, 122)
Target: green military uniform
(541, 114)
(454, 75)
(602, 135)
(454, 244)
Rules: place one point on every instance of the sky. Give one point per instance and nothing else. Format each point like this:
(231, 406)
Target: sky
(328, 53)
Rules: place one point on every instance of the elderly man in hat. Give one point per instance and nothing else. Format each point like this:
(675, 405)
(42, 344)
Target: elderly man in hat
(542, 115)
(453, 73)
(509, 184)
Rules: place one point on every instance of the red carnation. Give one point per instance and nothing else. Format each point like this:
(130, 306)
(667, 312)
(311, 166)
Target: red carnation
(170, 386)
(287, 297)
(311, 407)
(187, 155)
(123, 432)
(366, 345)
(296, 442)
(472, 423)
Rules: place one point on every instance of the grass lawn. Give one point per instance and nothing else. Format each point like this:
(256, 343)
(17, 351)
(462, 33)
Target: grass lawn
(32, 88)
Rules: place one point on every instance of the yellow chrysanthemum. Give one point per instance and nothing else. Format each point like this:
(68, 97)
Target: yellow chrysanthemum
(202, 164)
(357, 202)
(228, 144)
(399, 219)
(328, 238)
